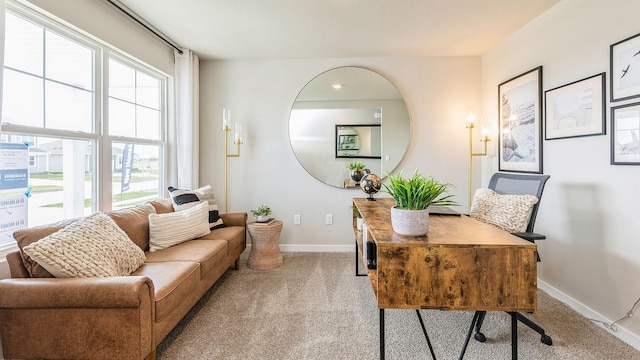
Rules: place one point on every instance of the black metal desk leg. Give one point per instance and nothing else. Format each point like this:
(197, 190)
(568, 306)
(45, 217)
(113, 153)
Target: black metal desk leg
(357, 261)
(514, 335)
(381, 334)
(356, 258)
(476, 317)
(424, 331)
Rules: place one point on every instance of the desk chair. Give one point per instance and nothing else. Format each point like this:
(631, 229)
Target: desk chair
(517, 184)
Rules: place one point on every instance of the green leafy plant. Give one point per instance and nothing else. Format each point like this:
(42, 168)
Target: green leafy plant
(418, 192)
(356, 165)
(356, 211)
(262, 210)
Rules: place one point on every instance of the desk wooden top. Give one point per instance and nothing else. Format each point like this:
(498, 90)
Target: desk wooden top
(450, 229)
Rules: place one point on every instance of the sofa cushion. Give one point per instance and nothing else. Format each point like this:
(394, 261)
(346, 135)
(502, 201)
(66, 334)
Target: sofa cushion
(93, 246)
(185, 199)
(169, 229)
(208, 253)
(162, 206)
(508, 212)
(135, 223)
(173, 283)
(25, 237)
(233, 235)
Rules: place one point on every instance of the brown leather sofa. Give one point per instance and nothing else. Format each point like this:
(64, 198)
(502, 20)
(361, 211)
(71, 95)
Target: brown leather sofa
(126, 317)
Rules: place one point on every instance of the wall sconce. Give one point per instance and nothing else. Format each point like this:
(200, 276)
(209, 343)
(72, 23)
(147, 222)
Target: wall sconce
(237, 140)
(485, 139)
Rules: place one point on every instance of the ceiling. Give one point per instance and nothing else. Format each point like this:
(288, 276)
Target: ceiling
(278, 29)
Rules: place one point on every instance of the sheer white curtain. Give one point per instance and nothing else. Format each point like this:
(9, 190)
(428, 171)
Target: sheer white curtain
(2, 9)
(187, 119)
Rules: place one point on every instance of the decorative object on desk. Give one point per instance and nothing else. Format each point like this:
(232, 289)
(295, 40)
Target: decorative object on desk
(359, 220)
(370, 184)
(261, 213)
(357, 171)
(410, 216)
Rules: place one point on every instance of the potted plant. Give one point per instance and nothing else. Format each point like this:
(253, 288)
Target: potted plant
(261, 213)
(413, 196)
(359, 220)
(357, 170)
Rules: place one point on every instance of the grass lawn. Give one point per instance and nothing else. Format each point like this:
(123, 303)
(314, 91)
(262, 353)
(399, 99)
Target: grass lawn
(136, 176)
(116, 198)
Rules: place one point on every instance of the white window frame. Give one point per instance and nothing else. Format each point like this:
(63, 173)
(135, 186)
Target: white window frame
(101, 168)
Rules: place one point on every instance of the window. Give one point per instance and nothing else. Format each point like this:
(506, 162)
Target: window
(82, 156)
(134, 102)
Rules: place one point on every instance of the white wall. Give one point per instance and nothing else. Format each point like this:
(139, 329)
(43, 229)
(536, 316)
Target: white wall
(589, 210)
(260, 94)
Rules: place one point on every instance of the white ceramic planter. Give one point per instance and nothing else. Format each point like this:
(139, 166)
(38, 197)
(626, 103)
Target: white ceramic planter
(410, 222)
(262, 218)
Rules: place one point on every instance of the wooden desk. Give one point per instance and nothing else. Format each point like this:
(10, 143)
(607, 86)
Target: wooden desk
(461, 264)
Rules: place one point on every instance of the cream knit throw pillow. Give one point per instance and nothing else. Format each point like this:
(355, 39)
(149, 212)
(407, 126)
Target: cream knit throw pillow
(508, 212)
(94, 246)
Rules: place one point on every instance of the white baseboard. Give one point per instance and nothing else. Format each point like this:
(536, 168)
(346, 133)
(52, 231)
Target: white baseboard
(314, 248)
(622, 333)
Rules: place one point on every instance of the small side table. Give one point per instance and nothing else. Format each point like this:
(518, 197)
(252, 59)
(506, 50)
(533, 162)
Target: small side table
(265, 246)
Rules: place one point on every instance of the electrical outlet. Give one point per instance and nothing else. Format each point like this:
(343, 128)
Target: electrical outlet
(296, 219)
(329, 219)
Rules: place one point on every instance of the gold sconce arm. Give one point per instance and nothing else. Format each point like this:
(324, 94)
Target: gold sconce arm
(238, 141)
(485, 139)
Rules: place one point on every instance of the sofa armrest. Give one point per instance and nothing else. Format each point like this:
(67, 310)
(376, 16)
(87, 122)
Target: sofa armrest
(16, 267)
(234, 219)
(113, 292)
(80, 318)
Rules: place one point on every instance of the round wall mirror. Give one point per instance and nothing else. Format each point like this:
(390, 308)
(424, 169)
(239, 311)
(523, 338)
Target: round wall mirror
(349, 114)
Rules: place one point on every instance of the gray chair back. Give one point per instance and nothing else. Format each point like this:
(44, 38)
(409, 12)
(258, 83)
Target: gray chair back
(520, 184)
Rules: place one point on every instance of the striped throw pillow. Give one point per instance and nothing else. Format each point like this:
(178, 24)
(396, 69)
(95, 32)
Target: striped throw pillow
(169, 229)
(185, 199)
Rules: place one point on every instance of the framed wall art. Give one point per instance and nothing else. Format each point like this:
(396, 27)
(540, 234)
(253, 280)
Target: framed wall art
(520, 124)
(625, 69)
(576, 109)
(625, 134)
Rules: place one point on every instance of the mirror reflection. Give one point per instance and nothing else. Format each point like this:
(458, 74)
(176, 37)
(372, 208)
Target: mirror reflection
(344, 114)
(358, 141)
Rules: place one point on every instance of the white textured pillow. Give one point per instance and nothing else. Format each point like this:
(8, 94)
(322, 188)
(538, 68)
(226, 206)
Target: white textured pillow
(508, 212)
(93, 246)
(185, 199)
(172, 228)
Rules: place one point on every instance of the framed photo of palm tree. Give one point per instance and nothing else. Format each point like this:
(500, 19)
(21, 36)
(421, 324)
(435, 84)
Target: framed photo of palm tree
(520, 124)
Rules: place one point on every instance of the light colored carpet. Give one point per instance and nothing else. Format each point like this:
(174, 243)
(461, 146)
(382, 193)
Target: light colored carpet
(314, 307)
